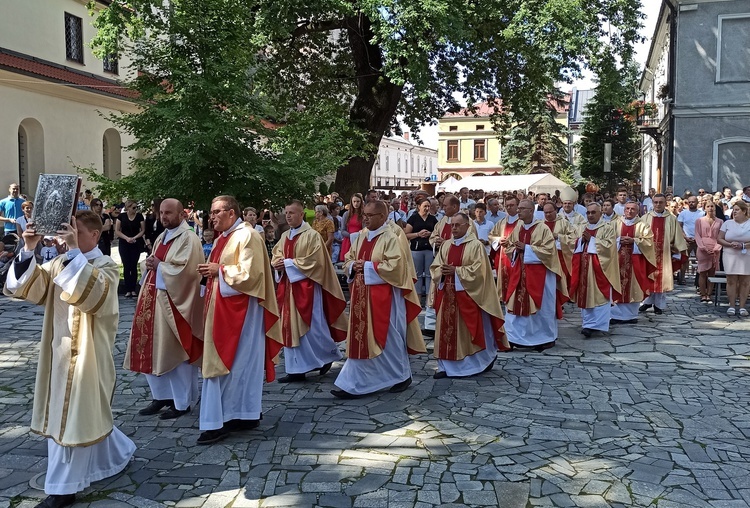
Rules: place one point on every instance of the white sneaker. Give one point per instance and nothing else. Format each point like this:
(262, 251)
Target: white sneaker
(731, 311)
(743, 312)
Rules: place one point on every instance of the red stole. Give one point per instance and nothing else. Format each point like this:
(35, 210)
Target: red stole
(447, 232)
(582, 263)
(229, 318)
(376, 298)
(502, 262)
(526, 281)
(657, 226)
(141, 353)
(560, 256)
(630, 264)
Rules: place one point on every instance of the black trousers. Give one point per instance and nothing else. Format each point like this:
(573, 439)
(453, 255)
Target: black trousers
(129, 254)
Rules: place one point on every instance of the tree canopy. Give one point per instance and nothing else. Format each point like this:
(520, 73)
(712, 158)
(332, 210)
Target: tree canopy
(337, 74)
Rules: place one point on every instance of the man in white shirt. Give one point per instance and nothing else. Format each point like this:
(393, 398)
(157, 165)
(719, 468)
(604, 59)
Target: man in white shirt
(464, 200)
(483, 225)
(494, 214)
(648, 201)
(687, 219)
(622, 198)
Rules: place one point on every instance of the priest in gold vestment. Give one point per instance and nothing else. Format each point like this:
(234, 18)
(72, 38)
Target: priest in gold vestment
(166, 337)
(469, 328)
(310, 299)
(383, 326)
(75, 377)
(241, 333)
(596, 272)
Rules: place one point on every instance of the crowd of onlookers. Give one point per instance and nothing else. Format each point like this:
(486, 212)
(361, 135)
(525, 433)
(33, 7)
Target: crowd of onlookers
(709, 220)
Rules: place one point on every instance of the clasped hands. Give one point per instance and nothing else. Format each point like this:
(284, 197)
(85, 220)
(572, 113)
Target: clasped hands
(209, 269)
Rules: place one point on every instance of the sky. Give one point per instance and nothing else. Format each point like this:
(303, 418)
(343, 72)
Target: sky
(650, 8)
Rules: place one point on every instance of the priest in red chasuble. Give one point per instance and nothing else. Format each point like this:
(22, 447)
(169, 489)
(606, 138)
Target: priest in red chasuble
(498, 238)
(469, 318)
(637, 260)
(670, 250)
(242, 332)
(75, 376)
(310, 299)
(383, 327)
(537, 288)
(565, 236)
(596, 272)
(166, 337)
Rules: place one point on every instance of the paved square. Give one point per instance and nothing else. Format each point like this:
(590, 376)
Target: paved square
(654, 414)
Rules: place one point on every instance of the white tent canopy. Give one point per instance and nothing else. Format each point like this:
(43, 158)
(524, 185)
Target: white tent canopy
(535, 183)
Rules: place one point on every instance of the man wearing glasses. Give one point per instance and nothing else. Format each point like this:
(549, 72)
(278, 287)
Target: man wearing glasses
(383, 326)
(242, 333)
(596, 272)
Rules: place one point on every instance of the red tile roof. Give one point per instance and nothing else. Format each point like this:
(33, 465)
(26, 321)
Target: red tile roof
(484, 110)
(49, 71)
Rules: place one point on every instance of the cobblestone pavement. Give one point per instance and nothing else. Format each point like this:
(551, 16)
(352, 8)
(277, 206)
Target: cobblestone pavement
(654, 414)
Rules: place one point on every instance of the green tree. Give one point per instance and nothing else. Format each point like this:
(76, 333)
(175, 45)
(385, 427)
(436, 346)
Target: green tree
(538, 142)
(606, 123)
(347, 70)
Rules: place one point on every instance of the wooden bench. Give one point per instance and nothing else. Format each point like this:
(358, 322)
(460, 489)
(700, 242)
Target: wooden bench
(717, 282)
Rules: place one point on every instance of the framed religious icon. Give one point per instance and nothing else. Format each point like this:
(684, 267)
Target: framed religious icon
(55, 202)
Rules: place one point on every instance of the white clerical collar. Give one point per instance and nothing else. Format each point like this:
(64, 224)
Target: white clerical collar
(660, 214)
(373, 234)
(528, 226)
(571, 214)
(92, 254)
(593, 226)
(170, 233)
(628, 222)
(512, 218)
(235, 226)
(608, 217)
(459, 241)
(294, 231)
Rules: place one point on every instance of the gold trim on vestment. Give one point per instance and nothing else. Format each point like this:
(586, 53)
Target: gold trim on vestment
(89, 286)
(25, 293)
(90, 443)
(74, 332)
(102, 299)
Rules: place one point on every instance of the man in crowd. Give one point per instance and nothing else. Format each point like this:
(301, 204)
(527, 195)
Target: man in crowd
(241, 332)
(310, 299)
(536, 287)
(469, 318)
(636, 258)
(383, 326)
(443, 231)
(499, 242)
(565, 239)
(596, 274)
(166, 336)
(465, 201)
(75, 376)
(569, 197)
(648, 203)
(11, 208)
(541, 200)
(608, 210)
(494, 214)
(622, 198)
(686, 220)
(669, 245)
(482, 226)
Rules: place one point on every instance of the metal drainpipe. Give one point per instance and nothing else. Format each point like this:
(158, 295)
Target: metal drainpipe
(671, 80)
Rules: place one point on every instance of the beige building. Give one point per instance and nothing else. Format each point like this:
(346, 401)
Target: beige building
(55, 94)
(467, 145)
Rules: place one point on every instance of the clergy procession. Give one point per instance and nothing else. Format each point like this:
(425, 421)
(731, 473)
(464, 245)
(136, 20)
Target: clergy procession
(231, 317)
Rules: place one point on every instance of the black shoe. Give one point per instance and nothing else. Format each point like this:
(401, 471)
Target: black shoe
(644, 307)
(428, 333)
(441, 374)
(325, 368)
(615, 322)
(57, 501)
(212, 436)
(542, 347)
(587, 332)
(490, 366)
(631, 321)
(173, 413)
(292, 378)
(343, 394)
(400, 387)
(154, 407)
(657, 310)
(240, 425)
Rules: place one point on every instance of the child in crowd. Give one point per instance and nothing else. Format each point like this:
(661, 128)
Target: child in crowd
(208, 242)
(49, 250)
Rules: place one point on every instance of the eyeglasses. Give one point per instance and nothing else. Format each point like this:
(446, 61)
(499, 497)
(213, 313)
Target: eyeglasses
(217, 212)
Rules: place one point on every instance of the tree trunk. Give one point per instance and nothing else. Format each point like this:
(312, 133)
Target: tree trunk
(373, 108)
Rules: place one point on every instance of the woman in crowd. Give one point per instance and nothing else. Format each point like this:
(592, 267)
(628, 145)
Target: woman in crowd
(250, 215)
(334, 210)
(351, 224)
(706, 238)
(105, 239)
(734, 236)
(130, 228)
(324, 226)
(418, 230)
(154, 227)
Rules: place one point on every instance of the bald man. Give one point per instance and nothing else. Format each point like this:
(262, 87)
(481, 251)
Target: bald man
(166, 337)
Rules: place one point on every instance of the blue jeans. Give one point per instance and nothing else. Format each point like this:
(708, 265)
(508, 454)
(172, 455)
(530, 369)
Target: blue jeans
(422, 261)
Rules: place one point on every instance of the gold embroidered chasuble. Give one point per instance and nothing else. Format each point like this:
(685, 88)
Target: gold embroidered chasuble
(475, 275)
(568, 236)
(643, 237)
(246, 269)
(311, 258)
(155, 329)
(607, 259)
(389, 258)
(75, 376)
(578, 222)
(666, 238)
(441, 230)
